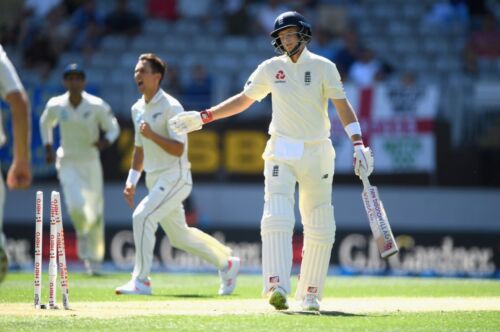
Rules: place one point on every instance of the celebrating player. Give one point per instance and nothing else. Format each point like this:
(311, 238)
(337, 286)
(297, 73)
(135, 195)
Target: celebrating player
(19, 174)
(299, 150)
(80, 117)
(163, 156)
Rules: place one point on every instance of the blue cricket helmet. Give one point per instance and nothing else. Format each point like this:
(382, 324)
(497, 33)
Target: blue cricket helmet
(287, 20)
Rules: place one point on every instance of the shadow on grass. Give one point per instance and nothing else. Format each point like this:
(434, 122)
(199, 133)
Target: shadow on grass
(187, 296)
(170, 296)
(97, 275)
(321, 313)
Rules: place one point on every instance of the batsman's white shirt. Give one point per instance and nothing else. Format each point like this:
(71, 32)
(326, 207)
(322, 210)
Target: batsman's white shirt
(79, 127)
(9, 82)
(300, 93)
(157, 113)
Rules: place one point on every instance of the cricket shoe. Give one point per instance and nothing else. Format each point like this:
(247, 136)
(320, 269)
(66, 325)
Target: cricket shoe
(278, 299)
(228, 276)
(4, 262)
(310, 303)
(135, 287)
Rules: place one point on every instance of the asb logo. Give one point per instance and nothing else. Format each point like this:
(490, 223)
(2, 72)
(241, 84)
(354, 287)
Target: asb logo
(280, 76)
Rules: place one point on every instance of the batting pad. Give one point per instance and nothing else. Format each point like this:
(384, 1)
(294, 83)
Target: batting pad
(276, 231)
(319, 235)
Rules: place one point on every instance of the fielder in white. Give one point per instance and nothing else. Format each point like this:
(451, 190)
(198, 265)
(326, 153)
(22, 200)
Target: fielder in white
(19, 174)
(162, 154)
(298, 151)
(80, 116)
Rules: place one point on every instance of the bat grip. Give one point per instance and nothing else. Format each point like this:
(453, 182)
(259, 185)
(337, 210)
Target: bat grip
(364, 178)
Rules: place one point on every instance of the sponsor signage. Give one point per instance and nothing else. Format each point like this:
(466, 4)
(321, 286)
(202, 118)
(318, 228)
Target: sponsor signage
(421, 254)
(359, 254)
(398, 124)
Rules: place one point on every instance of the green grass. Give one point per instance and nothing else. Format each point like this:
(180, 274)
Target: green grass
(457, 321)
(18, 288)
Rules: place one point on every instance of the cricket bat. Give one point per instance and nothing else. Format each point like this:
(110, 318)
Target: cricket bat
(377, 217)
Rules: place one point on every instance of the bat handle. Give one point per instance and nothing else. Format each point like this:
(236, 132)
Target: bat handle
(364, 178)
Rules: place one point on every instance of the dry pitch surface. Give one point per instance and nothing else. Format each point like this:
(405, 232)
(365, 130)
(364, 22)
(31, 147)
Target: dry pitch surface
(111, 309)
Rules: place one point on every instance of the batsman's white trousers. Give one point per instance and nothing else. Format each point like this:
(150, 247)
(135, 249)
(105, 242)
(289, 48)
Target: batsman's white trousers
(313, 171)
(163, 205)
(82, 185)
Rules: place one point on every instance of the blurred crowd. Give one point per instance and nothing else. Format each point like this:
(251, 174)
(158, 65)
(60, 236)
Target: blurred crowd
(44, 29)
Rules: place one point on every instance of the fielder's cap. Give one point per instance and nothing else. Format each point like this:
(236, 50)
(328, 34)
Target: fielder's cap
(73, 68)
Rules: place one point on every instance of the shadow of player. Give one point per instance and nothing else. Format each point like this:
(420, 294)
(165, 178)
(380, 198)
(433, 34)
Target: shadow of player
(321, 313)
(190, 296)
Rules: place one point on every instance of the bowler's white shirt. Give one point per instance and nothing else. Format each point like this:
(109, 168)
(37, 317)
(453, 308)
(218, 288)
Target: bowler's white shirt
(78, 127)
(300, 93)
(157, 113)
(9, 82)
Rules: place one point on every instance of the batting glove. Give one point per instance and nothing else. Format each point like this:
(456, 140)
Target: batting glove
(187, 122)
(363, 159)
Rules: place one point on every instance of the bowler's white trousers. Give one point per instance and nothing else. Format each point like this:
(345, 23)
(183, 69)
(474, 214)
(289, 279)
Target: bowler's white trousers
(163, 205)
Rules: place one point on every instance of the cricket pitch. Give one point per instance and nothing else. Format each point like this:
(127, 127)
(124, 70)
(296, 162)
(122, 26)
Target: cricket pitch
(370, 305)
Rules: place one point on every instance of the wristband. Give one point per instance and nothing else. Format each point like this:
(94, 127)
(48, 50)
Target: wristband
(206, 116)
(133, 177)
(353, 128)
(358, 143)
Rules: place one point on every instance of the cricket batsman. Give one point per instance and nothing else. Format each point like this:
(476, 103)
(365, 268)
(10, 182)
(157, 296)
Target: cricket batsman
(298, 151)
